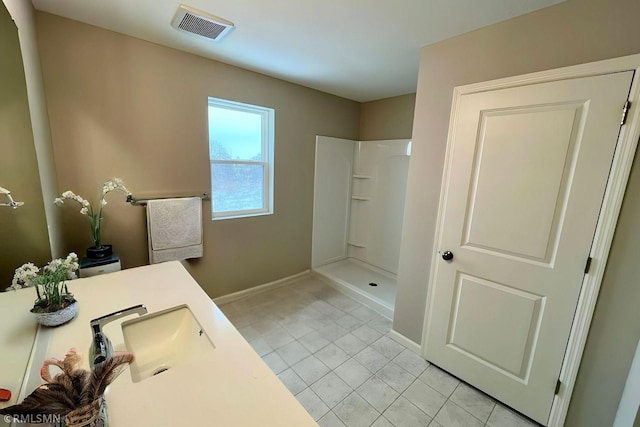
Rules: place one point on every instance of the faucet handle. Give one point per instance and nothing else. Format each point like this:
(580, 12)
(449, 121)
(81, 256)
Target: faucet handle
(101, 347)
(139, 309)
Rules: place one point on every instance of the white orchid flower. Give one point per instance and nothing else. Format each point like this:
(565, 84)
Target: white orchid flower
(94, 216)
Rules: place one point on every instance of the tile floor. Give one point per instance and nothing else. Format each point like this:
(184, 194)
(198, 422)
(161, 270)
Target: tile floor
(335, 355)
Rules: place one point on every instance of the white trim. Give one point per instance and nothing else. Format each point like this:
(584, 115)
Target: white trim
(226, 299)
(239, 162)
(401, 339)
(267, 146)
(241, 214)
(614, 194)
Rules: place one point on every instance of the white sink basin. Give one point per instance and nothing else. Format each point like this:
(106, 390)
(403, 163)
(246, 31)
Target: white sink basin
(164, 340)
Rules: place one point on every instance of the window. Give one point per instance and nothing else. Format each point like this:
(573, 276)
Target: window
(241, 154)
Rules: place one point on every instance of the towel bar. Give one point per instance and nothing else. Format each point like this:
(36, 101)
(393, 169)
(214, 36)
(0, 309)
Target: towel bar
(143, 202)
(12, 203)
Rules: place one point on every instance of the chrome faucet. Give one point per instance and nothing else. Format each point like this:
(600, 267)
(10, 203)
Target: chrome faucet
(101, 347)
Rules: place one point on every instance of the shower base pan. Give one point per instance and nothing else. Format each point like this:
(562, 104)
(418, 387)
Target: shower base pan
(367, 284)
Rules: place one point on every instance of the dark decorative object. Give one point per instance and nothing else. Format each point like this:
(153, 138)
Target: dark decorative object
(103, 251)
(75, 396)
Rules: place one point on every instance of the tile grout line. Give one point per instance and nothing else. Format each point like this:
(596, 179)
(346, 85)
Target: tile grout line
(448, 399)
(312, 303)
(396, 399)
(491, 413)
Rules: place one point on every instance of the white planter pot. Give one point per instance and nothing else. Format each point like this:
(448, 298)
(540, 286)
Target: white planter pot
(58, 318)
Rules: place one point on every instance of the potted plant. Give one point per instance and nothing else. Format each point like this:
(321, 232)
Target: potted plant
(55, 305)
(94, 214)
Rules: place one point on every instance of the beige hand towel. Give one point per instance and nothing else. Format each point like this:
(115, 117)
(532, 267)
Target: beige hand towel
(174, 228)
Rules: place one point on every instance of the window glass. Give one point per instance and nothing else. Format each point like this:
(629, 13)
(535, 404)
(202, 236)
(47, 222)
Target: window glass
(237, 187)
(235, 134)
(241, 159)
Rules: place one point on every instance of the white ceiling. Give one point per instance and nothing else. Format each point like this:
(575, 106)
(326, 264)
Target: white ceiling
(359, 49)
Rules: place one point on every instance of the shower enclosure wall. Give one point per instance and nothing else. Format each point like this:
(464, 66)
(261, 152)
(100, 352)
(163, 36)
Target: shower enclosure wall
(357, 217)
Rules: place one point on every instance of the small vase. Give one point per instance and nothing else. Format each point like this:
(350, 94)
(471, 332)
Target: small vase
(59, 317)
(103, 251)
(91, 415)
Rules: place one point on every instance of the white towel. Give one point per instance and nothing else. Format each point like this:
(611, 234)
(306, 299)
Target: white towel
(174, 227)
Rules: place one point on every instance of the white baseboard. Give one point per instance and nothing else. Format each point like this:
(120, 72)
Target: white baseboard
(411, 345)
(226, 299)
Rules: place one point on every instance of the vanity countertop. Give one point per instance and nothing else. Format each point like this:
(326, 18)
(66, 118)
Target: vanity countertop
(234, 388)
(17, 331)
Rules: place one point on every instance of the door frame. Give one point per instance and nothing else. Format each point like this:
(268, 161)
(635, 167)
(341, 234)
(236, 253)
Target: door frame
(609, 212)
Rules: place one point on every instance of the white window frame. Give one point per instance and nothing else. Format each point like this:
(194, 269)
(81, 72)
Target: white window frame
(268, 120)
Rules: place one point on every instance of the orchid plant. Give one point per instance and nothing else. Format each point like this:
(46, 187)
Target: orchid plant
(87, 208)
(49, 282)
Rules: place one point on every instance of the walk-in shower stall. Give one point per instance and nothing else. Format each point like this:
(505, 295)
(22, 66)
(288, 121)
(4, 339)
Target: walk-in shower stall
(357, 217)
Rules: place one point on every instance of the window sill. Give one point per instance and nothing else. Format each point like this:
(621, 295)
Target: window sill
(239, 216)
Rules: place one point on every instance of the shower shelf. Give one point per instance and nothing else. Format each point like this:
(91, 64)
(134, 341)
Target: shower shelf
(364, 199)
(362, 177)
(356, 244)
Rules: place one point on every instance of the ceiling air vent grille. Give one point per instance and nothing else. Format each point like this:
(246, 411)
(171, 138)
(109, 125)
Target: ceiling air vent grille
(201, 23)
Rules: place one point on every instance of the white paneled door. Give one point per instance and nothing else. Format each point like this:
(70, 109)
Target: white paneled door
(527, 169)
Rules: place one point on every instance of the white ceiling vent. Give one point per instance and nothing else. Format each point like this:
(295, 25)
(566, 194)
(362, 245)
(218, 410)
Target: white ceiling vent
(201, 23)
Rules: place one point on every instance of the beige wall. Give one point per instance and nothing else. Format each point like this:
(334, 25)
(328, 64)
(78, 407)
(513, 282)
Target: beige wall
(23, 231)
(574, 32)
(120, 106)
(388, 118)
(615, 329)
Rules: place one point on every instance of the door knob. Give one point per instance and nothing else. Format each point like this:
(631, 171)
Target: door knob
(447, 255)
